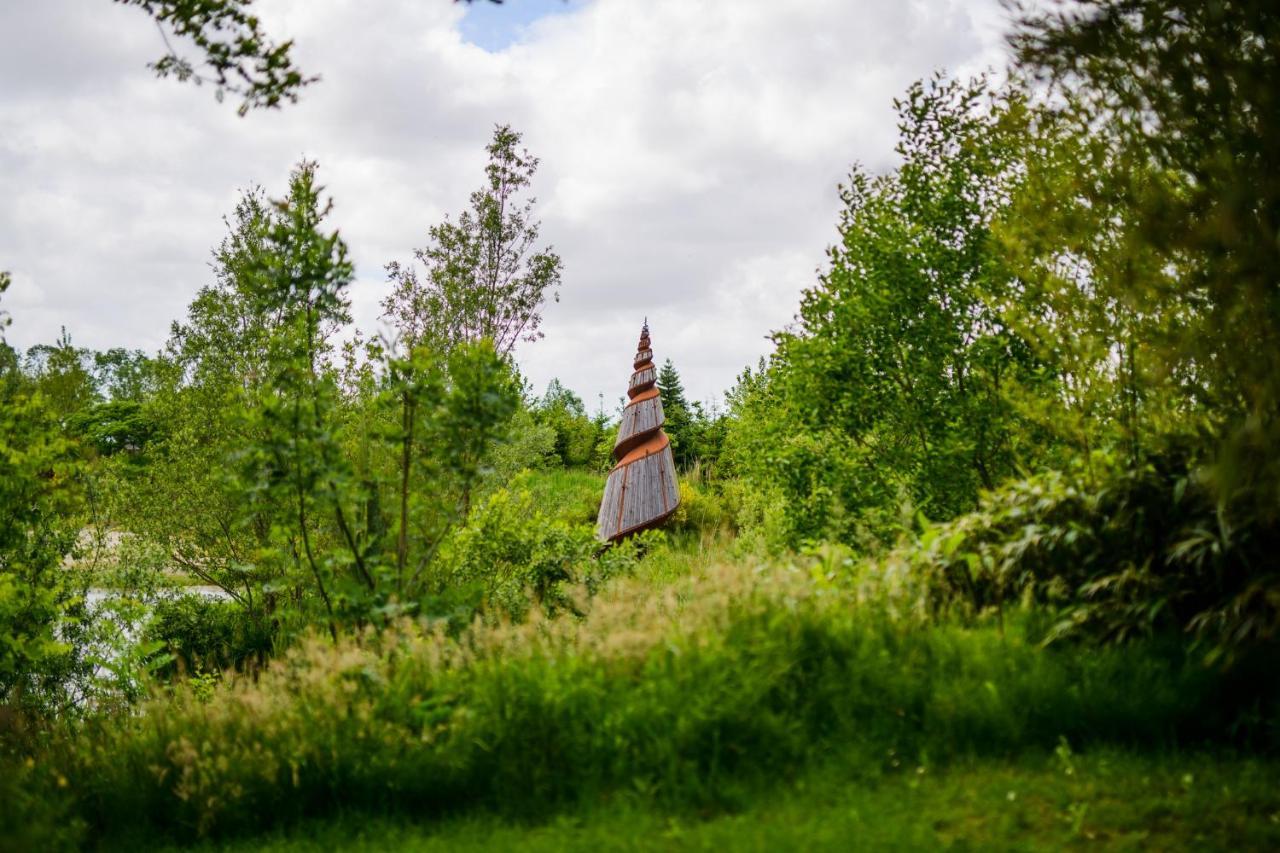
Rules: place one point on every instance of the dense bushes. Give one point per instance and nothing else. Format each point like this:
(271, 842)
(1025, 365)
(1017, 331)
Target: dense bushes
(202, 634)
(684, 694)
(1120, 552)
(510, 556)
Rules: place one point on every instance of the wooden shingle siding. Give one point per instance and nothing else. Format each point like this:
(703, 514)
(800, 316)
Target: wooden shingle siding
(641, 491)
(640, 494)
(643, 377)
(640, 418)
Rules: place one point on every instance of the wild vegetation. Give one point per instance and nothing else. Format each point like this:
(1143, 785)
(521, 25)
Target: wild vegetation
(983, 553)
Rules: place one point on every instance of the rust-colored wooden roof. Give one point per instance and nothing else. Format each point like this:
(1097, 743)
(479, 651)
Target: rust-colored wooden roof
(641, 491)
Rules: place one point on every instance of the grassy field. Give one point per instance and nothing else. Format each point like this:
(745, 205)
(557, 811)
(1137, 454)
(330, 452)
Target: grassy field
(1109, 800)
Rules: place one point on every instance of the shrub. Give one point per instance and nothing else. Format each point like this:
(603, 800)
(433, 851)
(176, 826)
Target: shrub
(511, 556)
(1123, 552)
(203, 634)
(529, 445)
(702, 510)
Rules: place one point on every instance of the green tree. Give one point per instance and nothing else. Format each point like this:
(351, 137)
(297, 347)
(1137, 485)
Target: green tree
(225, 341)
(564, 411)
(1180, 95)
(455, 408)
(40, 603)
(64, 376)
(1109, 387)
(122, 374)
(485, 277)
(680, 425)
(1151, 247)
(296, 475)
(893, 385)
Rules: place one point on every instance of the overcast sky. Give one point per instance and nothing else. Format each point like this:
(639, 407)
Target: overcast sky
(690, 155)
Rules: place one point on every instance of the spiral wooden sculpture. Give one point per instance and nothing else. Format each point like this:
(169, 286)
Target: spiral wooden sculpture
(641, 491)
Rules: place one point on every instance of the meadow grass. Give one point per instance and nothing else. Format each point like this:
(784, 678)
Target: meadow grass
(1109, 799)
(697, 698)
(571, 495)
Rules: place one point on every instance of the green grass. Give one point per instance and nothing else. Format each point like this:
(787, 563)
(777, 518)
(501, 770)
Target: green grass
(1109, 799)
(568, 494)
(697, 697)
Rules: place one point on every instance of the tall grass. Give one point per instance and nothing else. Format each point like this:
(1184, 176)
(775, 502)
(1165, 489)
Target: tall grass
(571, 495)
(729, 678)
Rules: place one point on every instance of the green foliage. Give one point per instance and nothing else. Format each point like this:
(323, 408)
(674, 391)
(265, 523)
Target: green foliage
(486, 279)
(114, 427)
(893, 384)
(294, 274)
(515, 557)
(1176, 102)
(242, 58)
(576, 435)
(679, 419)
(307, 489)
(63, 375)
(125, 375)
(571, 495)
(752, 678)
(702, 510)
(1178, 97)
(529, 445)
(1121, 552)
(696, 435)
(39, 602)
(200, 634)
(454, 410)
(187, 497)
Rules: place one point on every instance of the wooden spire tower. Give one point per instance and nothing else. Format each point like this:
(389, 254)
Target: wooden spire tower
(641, 491)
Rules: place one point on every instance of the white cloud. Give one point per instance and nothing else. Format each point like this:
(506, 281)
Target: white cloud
(690, 153)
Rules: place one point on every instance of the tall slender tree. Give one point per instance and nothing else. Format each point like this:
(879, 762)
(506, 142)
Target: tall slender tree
(485, 277)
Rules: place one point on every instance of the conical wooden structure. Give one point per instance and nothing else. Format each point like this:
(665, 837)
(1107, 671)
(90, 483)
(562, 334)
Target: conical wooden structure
(641, 491)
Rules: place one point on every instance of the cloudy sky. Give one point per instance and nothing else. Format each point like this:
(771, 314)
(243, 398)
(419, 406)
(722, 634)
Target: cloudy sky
(690, 155)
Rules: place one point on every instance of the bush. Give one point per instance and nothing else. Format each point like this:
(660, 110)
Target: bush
(702, 510)
(529, 445)
(1123, 552)
(511, 556)
(203, 634)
